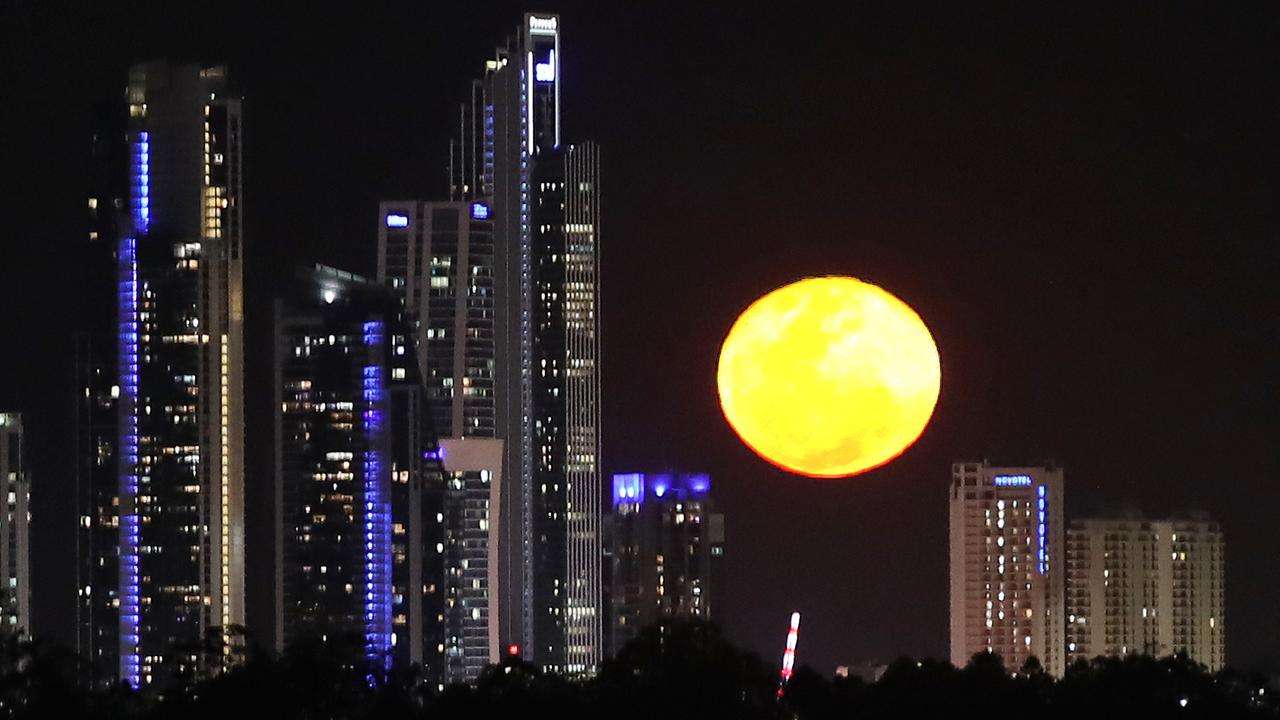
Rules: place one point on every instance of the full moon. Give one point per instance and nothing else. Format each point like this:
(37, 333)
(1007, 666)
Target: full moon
(828, 377)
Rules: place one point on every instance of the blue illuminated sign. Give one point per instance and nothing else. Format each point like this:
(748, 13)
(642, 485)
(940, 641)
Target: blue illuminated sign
(479, 211)
(1012, 480)
(395, 220)
(1042, 495)
(546, 72)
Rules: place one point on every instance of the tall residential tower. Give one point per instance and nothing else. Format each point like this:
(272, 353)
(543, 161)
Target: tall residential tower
(544, 197)
(174, 499)
(438, 258)
(358, 547)
(1007, 539)
(503, 285)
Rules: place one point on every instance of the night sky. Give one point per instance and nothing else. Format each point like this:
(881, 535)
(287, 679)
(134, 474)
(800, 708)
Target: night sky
(1081, 205)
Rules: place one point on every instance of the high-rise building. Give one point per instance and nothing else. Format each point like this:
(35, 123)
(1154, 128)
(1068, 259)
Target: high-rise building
(97, 413)
(15, 528)
(501, 284)
(543, 196)
(174, 577)
(666, 542)
(472, 517)
(438, 258)
(1151, 587)
(1007, 538)
(357, 486)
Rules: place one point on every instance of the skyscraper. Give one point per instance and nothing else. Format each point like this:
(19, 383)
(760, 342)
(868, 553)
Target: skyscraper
(503, 290)
(666, 542)
(544, 199)
(1007, 564)
(1152, 587)
(174, 499)
(438, 258)
(15, 528)
(357, 483)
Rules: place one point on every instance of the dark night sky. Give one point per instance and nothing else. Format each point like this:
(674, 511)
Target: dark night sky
(1081, 205)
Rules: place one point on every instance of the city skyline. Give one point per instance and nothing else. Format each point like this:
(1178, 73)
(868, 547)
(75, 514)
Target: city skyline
(1097, 302)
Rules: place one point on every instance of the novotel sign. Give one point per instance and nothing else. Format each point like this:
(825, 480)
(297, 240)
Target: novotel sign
(1012, 480)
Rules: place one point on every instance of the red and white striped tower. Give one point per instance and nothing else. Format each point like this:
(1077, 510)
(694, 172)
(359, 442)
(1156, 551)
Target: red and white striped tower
(789, 655)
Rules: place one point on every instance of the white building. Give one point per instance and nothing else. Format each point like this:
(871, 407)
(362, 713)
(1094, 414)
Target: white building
(1006, 537)
(472, 520)
(1150, 587)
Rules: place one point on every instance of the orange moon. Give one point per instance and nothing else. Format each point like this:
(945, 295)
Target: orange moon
(829, 377)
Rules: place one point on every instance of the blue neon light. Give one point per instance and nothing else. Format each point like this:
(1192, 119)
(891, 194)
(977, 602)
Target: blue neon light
(1012, 480)
(130, 619)
(546, 72)
(479, 211)
(698, 484)
(377, 508)
(639, 487)
(395, 220)
(1043, 535)
(628, 487)
(141, 199)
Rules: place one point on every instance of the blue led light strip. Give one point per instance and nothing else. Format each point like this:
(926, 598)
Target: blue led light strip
(377, 509)
(141, 201)
(130, 524)
(1041, 531)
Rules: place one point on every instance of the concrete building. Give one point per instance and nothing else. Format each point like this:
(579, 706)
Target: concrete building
(666, 546)
(1151, 587)
(472, 517)
(15, 528)
(1007, 538)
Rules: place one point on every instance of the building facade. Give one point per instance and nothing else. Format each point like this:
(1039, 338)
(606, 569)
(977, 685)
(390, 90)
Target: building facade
(502, 288)
(666, 545)
(1007, 581)
(1150, 587)
(159, 432)
(15, 528)
(544, 198)
(438, 259)
(357, 479)
(472, 518)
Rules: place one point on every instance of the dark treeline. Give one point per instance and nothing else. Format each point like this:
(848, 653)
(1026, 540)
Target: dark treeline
(680, 670)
